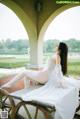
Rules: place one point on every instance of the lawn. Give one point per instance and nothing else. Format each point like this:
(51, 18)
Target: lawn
(74, 66)
(14, 61)
(23, 61)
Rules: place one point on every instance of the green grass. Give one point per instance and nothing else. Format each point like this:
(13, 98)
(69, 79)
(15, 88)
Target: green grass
(12, 62)
(74, 66)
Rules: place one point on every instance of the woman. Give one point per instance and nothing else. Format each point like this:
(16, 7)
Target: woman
(42, 76)
(54, 92)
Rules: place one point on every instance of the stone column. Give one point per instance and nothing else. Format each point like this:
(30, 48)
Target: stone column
(36, 54)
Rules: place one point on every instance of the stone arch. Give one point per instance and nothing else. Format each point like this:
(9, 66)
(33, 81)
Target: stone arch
(51, 18)
(28, 24)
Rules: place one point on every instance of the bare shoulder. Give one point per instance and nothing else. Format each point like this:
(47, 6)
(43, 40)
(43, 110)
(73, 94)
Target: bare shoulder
(53, 60)
(58, 59)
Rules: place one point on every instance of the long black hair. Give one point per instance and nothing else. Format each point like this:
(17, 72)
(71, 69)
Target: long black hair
(63, 51)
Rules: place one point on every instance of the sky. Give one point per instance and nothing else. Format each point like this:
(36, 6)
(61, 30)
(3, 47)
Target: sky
(63, 27)
(10, 25)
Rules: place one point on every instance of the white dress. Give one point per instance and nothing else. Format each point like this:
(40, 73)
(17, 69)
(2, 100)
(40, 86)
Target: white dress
(56, 93)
